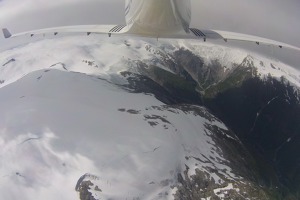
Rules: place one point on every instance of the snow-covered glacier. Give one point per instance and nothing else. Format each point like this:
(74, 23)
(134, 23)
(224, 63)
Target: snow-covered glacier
(71, 128)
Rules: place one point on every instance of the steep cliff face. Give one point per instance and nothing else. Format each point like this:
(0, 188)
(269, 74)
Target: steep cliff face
(265, 114)
(257, 99)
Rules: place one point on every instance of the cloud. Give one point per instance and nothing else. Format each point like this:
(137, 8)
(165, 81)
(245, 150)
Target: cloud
(268, 18)
(15, 7)
(33, 14)
(274, 19)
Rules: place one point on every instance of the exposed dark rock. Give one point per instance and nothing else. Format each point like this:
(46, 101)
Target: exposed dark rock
(83, 190)
(269, 126)
(84, 185)
(264, 114)
(165, 90)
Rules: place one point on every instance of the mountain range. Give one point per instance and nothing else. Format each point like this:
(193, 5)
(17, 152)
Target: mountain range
(107, 118)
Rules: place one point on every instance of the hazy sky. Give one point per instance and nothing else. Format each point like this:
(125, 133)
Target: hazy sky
(274, 19)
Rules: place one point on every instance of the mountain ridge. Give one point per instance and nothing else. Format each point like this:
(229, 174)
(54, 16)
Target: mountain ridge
(170, 81)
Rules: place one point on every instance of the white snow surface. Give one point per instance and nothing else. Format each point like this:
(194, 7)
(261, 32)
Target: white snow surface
(112, 55)
(57, 125)
(63, 125)
(231, 57)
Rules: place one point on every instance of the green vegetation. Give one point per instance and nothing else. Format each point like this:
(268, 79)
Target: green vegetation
(262, 113)
(176, 85)
(173, 81)
(234, 80)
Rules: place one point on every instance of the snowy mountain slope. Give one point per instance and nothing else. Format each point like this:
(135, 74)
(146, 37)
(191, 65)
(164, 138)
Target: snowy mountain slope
(58, 127)
(230, 57)
(104, 55)
(70, 120)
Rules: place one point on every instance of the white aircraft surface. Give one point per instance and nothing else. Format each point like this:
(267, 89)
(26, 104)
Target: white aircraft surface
(157, 19)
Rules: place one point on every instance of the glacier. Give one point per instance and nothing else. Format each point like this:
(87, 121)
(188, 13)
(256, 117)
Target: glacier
(66, 112)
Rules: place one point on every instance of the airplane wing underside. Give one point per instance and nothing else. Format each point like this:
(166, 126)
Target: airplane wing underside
(194, 33)
(89, 29)
(227, 36)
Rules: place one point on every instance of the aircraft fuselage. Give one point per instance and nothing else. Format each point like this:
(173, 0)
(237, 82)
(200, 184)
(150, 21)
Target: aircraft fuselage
(158, 17)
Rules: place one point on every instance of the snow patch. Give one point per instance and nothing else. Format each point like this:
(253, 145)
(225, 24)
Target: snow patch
(222, 192)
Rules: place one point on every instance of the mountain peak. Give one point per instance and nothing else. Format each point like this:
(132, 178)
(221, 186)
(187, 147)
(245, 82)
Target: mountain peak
(248, 61)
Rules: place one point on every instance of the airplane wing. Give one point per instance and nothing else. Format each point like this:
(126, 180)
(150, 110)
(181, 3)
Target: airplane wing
(194, 33)
(227, 36)
(98, 29)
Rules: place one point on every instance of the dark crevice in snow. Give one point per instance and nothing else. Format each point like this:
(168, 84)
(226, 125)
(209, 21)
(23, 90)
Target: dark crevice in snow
(152, 151)
(39, 78)
(61, 64)
(11, 60)
(20, 175)
(30, 139)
